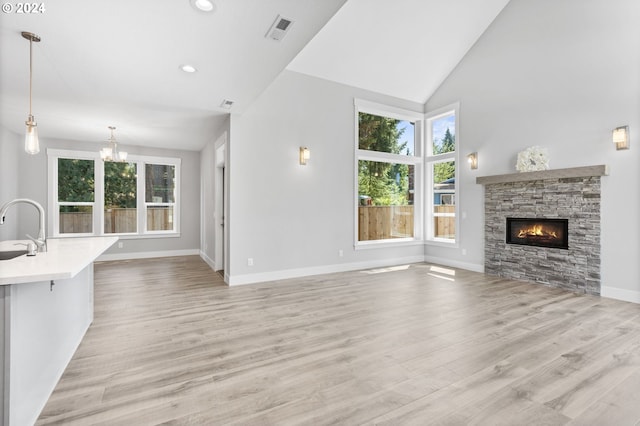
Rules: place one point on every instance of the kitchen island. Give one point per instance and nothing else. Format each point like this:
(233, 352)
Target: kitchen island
(47, 307)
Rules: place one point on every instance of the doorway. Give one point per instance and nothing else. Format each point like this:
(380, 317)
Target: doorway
(220, 197)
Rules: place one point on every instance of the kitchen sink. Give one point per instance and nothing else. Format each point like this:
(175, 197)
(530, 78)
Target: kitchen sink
(6, 255)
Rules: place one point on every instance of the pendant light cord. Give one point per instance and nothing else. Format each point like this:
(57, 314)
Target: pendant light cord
(30, 71)
(31, 37)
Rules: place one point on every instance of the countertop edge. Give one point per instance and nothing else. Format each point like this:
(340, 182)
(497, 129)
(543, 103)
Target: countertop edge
(65, 258)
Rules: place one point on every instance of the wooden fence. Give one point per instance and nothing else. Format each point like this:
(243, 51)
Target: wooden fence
(76, 223)
(159, 218)
(386, 222)
(444, 226)
(120, 221)
(117, 220)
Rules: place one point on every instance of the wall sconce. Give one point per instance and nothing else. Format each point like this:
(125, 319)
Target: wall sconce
(621, 137)
(305, 154)
(473, 160)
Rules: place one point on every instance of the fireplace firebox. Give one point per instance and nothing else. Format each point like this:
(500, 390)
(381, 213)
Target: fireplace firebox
(539, 232)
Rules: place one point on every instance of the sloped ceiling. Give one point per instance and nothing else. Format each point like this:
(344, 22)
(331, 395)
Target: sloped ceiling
(402, 48)
(116, 62)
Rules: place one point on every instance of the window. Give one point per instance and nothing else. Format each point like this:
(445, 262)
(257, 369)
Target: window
(75, 195)
(120, 198)
(92, 197)
(441, 176)
(388, 174)
(160, 180)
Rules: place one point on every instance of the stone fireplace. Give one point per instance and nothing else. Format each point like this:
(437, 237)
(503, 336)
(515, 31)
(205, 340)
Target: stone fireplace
(544, 227)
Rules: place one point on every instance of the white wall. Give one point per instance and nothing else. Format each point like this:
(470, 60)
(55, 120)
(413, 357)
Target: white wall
(292, 219)
(11, 145)
(560, 74)
(33, 184)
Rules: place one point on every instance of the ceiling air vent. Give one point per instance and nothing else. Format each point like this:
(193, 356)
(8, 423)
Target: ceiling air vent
(279, 28)
(226, 104)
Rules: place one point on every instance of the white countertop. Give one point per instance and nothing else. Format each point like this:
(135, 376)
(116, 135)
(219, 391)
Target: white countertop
(65, 258)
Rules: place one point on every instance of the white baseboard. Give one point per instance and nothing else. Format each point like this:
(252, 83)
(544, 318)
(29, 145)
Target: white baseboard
(620, 294)
(298, 272)
(317, 270)
(148, 254)
(455, 264)
(208, 260)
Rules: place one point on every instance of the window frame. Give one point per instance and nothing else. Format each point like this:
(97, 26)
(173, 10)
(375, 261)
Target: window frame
(101, 215)
(430, 160)
(416, 160)
(54, 208)
(98, 204)
(176, 210)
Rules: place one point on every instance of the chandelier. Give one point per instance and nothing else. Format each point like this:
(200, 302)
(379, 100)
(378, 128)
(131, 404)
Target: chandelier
(111, 153)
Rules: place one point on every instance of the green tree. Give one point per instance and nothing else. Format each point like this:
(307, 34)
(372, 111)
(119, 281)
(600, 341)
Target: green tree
(119, 185)
(445, 170)
(385, 183)
(447, 144)
(379, 134)
(76, 182)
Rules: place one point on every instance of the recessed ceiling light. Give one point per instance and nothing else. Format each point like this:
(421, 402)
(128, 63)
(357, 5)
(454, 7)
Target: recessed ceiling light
(188, 68)
(204, 5)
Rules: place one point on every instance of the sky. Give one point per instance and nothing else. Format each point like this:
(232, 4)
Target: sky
(439, 128)
(441, 124)
(407, 136)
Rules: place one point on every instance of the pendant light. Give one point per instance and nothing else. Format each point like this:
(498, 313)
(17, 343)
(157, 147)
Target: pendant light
(31, 144)
(111, 152)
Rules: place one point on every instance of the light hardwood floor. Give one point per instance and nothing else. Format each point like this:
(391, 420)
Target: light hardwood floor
(411, 345)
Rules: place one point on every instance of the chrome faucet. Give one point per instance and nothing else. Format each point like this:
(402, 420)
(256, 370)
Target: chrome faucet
(41, 241)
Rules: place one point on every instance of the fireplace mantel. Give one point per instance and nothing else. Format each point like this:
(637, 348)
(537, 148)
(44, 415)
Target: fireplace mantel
(574, 172)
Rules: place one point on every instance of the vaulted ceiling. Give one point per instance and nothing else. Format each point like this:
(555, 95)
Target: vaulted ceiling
(116, 62)
(402, 48)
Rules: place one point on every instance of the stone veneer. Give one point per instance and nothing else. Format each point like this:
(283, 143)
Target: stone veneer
(574, 198)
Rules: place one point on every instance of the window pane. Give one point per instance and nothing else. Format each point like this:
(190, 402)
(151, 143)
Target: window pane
(75, 180)
(443, 134)
(160, 183)
(76, 219)
(384, 134)
(444, 200)
(160, 218)
(120, 186)
(385, 200)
